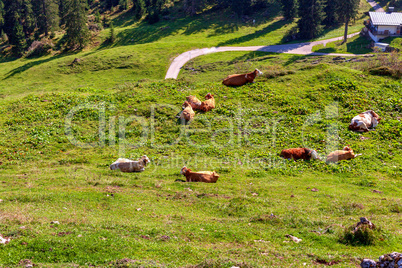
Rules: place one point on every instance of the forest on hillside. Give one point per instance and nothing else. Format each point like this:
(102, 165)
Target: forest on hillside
(22, 22)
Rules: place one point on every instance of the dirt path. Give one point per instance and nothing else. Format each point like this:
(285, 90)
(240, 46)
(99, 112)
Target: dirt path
(377, 7)
(299, 48)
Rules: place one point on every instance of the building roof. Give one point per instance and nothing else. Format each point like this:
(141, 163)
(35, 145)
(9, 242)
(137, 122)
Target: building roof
(385, 18)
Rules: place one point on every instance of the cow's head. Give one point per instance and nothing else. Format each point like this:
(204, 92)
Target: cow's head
(186, 104)
(313, 154)
(209, 96)
(348, 149)
(145, 159)
(257, 72)
(184, 170)
(375, 115)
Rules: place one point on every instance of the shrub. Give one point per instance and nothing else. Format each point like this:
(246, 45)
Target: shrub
(387, 64)
(362, 236)
(95, 27)
(39, 48)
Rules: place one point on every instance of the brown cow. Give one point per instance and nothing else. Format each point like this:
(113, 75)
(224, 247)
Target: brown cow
(364, 121)
(208, 104)
(127, 165)
(299, 153)
(241, 79)
(188, 113)
(345, 154)
(194, 102)
(200, 176)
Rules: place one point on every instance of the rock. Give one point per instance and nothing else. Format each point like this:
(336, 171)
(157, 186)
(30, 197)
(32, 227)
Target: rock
(367, 263)
(364, 222)
(376, 191)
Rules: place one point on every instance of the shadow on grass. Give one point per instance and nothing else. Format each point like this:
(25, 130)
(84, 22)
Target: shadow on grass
(31, 64)
(219, 24)
(355, 46)
(270, 28)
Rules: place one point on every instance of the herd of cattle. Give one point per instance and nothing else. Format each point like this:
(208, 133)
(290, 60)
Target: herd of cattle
(363, 122)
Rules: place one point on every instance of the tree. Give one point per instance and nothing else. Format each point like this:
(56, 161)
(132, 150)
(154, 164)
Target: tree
(47, 14)
(97, 17)
(347, 10)
(289, 9)
(19, 41)
(112, 35)
(63, 10)
(138, 8)
(240, 7)
(123, 4)
(311, 16)
(191, 6)
(331, 16)
(1, 15)
(77, 32)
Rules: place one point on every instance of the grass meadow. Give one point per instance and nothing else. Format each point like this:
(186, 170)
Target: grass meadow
(62, 125)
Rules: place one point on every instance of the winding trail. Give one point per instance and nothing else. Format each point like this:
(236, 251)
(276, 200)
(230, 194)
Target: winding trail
(377, 7)
(299, 48)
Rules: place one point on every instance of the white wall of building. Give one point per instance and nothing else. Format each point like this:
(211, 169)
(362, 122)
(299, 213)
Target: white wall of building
(383, 28)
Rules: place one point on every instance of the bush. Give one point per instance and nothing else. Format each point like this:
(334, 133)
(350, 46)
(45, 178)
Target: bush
(95, 27)
(387, 64)
(153, 17)
(39, 48)
(362, 236)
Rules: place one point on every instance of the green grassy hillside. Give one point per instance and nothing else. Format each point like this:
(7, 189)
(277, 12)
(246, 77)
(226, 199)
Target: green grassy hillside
(55, 164)
(160, 222)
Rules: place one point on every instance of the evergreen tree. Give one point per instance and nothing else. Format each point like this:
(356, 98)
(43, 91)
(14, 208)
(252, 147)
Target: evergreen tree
(1, 15)
(331, 16)
(240, 7)
(63, 10)
(77, 32)
(97, 17)
(138, 8)
(28, 19)
(192, 6)
(19, 41)
(311, 13)
(47, 14)
(289, 9)
(112, 35)
(347, 10)
(123, 4)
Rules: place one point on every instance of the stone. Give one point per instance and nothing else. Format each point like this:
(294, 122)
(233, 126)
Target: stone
(368, 263)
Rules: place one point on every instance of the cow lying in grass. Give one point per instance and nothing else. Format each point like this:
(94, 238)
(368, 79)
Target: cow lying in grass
(201, 176)
(345, 154)
(127, 165)
(4, 240)
(194, 102)
(208, 104)
(187, 114)
(364, 121)
(299, 153)
(241, 79)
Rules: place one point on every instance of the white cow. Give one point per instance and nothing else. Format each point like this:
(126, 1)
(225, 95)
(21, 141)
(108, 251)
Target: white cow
(127, 165)
(364, 121)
